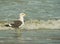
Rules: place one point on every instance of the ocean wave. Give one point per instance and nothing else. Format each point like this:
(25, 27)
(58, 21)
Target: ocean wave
(36, 24)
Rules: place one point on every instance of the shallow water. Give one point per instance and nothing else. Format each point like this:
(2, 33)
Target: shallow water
(30, 37)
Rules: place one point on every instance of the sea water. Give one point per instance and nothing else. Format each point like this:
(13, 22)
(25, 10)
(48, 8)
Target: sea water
(35, 9)
(30, 37)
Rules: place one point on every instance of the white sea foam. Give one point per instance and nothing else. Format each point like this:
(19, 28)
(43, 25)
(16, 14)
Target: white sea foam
(37, 24)
(49, 24)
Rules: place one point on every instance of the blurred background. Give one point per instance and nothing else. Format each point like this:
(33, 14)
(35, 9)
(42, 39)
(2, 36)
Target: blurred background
(36, 9)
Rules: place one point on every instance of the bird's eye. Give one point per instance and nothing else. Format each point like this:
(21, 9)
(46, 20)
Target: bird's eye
(23, 14)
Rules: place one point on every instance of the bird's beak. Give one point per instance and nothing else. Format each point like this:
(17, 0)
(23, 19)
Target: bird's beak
(25, 14)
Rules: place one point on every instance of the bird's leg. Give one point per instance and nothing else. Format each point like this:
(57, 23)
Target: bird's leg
(18, 32)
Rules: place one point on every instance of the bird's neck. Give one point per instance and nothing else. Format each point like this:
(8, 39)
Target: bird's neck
(21, 19)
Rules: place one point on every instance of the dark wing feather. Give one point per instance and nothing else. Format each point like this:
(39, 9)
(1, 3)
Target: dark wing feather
(16, 23)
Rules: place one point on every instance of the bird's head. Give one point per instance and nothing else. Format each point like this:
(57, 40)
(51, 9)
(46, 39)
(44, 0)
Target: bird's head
(22, 14)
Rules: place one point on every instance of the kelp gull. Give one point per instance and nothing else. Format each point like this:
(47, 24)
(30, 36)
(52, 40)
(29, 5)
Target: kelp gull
(18, 23)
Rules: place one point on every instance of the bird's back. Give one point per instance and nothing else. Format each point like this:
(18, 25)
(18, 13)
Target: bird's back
(16, 23)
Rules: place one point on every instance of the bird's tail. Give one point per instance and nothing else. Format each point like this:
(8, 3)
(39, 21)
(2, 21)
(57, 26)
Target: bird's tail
(7, 25)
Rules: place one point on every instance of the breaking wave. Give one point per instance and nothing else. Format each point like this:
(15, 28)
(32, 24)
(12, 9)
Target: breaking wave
(37, 24)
